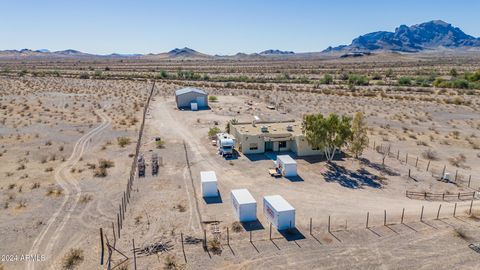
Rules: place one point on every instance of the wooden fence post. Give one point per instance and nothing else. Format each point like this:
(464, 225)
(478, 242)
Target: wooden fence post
(469, 179)
(470, 211)
(228, 237)
(118, 225)
(205, 239)
(368, 216)
(403, 214)
(421, 214)
(250, 236)
(384, 217)
(310, 226)
(183, 247)
(428, 165)
(134, 255)
(398, 154)
(409, 173)
(444, 168)
(328, 223)
(114, 233)
(454, 209)
(438, 213)
(102, 246)
(271, 230)
(416, 162)
(406, 159)
(456, 174)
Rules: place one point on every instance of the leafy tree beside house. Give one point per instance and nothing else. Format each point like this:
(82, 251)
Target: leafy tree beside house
(359, 139)
(329, 133)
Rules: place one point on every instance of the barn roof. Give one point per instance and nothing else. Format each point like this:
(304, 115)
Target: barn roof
(188, 90)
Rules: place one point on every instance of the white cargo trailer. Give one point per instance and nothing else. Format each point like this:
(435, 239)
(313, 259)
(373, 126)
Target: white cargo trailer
(244, 205)
(279, 212)
(209, 184)
(287, 165)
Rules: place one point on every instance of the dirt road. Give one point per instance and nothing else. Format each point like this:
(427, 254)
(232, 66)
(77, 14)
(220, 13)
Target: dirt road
(46, 241)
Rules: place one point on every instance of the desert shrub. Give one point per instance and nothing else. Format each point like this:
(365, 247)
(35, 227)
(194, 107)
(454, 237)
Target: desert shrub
(355, 79)
(54, 191)
(458, 161)
(237, 226)
(430, 154)
(212, 98)
(84, 76)
(160, 143)
(100, 172)
(215, 246)
(404, 81)
(327, 79)
(170, 262)
(104, 163)
(123, 141)
(72, 259)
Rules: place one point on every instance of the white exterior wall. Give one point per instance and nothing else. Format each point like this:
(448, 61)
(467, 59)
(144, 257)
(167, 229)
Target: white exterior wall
(290, 170)
(209, 189)
(282, 220)
(244, 212)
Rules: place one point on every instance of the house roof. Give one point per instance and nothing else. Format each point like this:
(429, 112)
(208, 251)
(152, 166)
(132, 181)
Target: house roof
(279, 203)
(188, 90)
(274, 129)
(243, 196)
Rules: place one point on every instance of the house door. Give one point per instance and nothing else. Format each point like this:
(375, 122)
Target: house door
(268, 146)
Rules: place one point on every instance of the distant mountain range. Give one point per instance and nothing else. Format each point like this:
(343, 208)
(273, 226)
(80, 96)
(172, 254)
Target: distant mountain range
(429, 36)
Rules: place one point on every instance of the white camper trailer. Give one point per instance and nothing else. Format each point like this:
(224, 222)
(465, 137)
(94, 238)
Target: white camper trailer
(286, 165)
(225, 143)
(244, 205)
(279, 212)
(209, 184)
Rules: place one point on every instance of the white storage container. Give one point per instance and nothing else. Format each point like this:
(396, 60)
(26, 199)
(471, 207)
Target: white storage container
(194, 106)
(279, 212)
(244, 205)
(209, 184)
(287, 165)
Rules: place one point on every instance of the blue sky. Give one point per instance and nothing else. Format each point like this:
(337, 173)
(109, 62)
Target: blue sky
(214, 27)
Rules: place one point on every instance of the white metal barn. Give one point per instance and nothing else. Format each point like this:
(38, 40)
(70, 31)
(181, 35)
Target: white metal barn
(244, 205)
(191, 98)
(279, 212)
(287, 165)
(209, 184)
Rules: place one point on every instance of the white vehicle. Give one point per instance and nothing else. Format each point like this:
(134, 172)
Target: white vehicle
(225, 143)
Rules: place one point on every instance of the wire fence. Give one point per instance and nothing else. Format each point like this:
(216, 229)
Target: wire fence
(441, 196)
(437, 170)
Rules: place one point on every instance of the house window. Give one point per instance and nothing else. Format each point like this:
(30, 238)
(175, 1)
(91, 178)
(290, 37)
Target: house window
(282, 144)
(254, 146)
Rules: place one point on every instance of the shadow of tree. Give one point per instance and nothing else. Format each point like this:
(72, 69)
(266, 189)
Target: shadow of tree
(379, 167)
(350, 179)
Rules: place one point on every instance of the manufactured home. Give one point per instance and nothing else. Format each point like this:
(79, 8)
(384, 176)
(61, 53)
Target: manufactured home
(260, 137)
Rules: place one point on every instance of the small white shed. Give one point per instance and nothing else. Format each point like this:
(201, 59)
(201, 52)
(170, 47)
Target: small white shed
(287, 165)
(209, 184)
(279, 212)
(244, 205)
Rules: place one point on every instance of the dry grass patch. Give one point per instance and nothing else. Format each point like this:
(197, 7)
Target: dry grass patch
(237, 226)
(54, 192)
(215, 246)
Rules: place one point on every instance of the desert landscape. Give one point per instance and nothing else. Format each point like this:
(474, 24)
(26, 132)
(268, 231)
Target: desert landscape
(71, 129)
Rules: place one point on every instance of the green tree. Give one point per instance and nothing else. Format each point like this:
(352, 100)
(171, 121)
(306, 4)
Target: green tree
(229, 123)
(328, 133)
(212, 132)
(359, 139)
(404, 81)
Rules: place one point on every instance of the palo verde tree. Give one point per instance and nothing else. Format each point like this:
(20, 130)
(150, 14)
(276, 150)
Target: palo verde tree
(229, 123)
(359, 139)
(328, 133)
